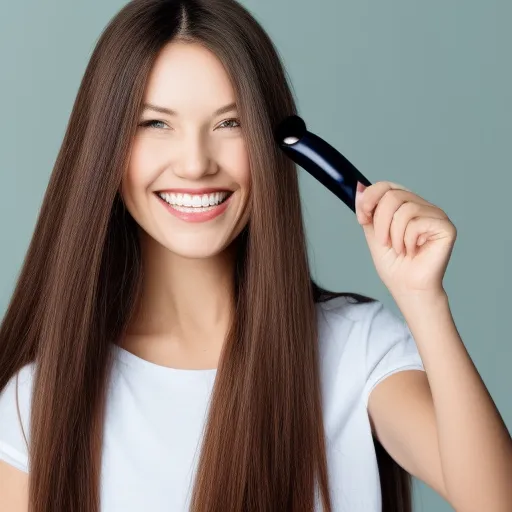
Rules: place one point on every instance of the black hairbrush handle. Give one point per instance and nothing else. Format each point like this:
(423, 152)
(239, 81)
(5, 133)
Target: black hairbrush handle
(320, 159)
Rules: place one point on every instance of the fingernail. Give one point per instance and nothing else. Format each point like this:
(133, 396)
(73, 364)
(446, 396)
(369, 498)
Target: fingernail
(360, 189)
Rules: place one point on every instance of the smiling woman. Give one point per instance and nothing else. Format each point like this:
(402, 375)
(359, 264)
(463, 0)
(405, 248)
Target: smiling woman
(193, 149)
(166, 302)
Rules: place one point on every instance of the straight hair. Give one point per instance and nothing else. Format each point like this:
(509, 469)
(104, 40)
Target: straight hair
(264, 445)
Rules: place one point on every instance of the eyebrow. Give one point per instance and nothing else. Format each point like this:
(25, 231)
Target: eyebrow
(170, 112)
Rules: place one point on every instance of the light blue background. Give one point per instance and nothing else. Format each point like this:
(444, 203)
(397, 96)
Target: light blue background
(413, 92)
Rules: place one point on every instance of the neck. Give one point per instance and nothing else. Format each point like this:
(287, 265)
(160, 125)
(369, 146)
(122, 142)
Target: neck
(186, 301)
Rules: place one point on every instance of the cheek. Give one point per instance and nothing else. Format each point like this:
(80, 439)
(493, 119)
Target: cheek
(142, 169)
(236, 163)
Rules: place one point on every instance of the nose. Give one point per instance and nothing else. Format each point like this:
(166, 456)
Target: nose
(193, 159)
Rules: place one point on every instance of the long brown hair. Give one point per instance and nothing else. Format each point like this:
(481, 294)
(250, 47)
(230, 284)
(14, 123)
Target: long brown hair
(264, 447)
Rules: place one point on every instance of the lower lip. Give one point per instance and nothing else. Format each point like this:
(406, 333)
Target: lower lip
(200, 216)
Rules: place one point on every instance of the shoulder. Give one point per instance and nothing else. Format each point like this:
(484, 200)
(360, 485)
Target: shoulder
(372, 317)
(372, 340)
(343, 329)
(345, 305)
(15, 405)
(345, 311)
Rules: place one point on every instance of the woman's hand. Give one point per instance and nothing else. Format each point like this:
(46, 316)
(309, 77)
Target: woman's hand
(410, 239)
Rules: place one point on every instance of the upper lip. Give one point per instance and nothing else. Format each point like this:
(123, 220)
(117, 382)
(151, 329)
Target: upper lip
(207, 190)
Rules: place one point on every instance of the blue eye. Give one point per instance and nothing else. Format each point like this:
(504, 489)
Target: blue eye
(230, 121)
(150, 123)
(225, 124)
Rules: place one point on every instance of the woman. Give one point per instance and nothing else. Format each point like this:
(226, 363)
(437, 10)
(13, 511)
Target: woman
(165, 346)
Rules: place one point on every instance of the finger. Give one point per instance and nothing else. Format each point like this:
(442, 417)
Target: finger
(422, 239)
(387, 207)
(397, 186)
(401, 218)
(426, 228)
(374, 193)
(366, 202)
(360, 188)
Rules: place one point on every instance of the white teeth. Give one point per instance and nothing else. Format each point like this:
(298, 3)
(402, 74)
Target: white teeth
(195, 200)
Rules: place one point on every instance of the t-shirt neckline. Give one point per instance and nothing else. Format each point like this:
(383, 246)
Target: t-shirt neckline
(143, 364)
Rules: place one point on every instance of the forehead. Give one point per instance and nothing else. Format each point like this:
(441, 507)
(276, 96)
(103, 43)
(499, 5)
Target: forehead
(188, 78)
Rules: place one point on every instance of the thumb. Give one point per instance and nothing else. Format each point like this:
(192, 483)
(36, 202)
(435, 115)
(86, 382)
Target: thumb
(365, 221)
(360, 188)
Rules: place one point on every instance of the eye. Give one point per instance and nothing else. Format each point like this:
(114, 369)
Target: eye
(237, 121)
(150, 123)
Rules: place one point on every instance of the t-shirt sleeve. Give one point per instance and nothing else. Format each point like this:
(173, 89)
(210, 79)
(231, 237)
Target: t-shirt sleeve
(390, 348)
(13, 445)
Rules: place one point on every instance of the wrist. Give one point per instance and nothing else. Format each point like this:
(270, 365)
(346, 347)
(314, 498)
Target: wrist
(422, 298)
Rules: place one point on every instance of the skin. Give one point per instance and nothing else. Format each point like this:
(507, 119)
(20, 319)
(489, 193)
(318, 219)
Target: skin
(440, 425)
(187, 300)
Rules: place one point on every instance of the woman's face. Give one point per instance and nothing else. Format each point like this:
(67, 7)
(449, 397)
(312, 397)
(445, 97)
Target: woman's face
(187, 184)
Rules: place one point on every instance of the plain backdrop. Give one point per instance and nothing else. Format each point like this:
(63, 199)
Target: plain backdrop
(417, 93)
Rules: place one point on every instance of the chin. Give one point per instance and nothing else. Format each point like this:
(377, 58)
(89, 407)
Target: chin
(200, 249)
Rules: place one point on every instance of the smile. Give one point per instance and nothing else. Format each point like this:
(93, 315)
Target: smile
(195, 207)
(195, 200)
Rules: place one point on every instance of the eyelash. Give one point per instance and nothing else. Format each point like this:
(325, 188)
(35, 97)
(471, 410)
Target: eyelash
(149, 123)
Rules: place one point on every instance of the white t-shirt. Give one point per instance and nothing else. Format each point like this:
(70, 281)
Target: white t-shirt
(155, 415)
